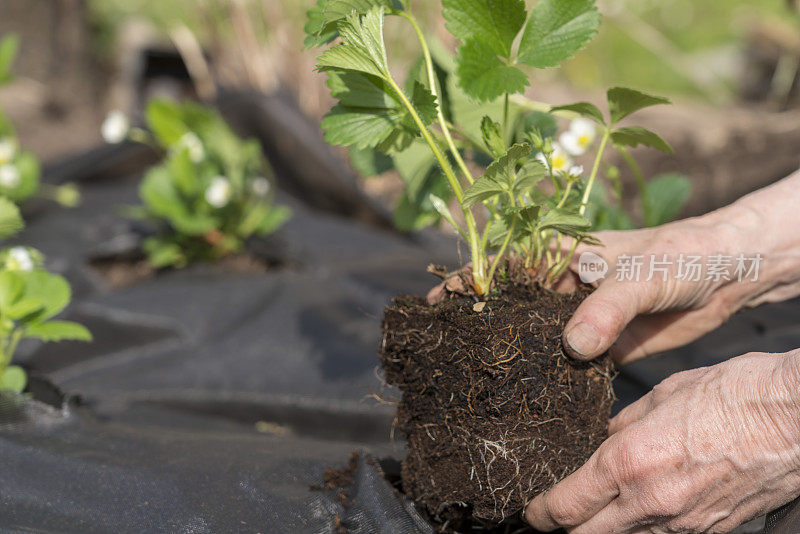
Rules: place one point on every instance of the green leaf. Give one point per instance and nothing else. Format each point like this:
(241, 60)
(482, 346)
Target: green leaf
(441, 208)
(369, 162)
(531, 173)
(529, 214)
(51, 290)
(493, 137)
(466, 114)
(13, 378)
(636, 135)
(164, 201)
(623, 102)
(604, 214)
(321, 26)
(411, 216)
(11, 285)
(10, 218)
(498, 232)
(416, 166)
(556, 30)
(183, 173)
(317, 31)
(543, 123)
(493, 24)
(665, 197)
(28, 168)
(370, 114)
(565, 222)
(273, 219)
(422, 178)
(504, 169)
(162, 253)
(584, 109)
(362, 49)
(8, 52)
(500, 176)
(166, 122)
(484, 76)
(23, 308)
(159, 193)
(58, 331)
(483, 189)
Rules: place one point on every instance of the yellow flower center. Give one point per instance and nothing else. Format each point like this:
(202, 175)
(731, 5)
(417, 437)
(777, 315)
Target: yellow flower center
(559, 162)
(585, 140)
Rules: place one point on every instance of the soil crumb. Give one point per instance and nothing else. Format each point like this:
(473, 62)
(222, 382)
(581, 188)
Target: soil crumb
(340, 480)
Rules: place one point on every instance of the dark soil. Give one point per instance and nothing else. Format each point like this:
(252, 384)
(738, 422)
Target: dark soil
(125, 270)
(493, 410)
(340, 480)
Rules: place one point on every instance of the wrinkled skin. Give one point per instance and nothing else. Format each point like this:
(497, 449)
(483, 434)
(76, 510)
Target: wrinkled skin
(707, 449)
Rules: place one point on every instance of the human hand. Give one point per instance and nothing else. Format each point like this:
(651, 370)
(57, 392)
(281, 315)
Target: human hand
(635, 319)
(640, 317)
(705, 451)
(650, 314)
(632, 319)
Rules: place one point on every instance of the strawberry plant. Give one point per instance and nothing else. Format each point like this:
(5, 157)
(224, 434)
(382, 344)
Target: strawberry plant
(453, 109)
(29, 298)
(212, 192)
(19, 169)
(492, 409)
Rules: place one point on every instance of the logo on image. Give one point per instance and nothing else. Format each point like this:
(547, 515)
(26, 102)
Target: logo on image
(591, 268)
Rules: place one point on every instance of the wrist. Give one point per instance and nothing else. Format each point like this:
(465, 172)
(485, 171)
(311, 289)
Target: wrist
(761, 226)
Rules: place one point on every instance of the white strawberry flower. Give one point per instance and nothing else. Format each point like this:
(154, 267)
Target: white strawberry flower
(576, 171)
(194, 145)
(218, 193)
(20, 259)
(560, 159)
(9, 177)
(580, 136)
(8, 149)
(116, 127)
(261, 186)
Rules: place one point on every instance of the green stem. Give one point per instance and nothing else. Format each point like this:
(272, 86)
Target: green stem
(426, 53)
(478, 254)
(503, 248)
(530, 105)
(476, 145)
(558, 270)
(595, 169)
(564, 198)
(142, 136)
(506, 134)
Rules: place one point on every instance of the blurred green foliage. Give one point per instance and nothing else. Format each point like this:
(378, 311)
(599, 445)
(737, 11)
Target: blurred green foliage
(697, 29)
(211, 193)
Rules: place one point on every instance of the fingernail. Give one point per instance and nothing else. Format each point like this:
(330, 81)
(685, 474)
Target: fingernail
(583, 339)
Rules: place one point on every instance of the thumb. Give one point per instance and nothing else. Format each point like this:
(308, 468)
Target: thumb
(602, 317)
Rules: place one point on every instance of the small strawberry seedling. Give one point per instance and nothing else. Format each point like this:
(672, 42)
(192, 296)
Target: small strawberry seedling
(29, 298)
(212, 192)
(19, 169)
